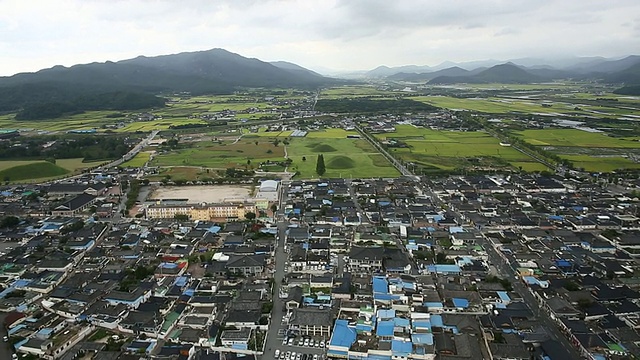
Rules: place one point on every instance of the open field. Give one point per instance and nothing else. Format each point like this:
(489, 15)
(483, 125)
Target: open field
(331, 134)
(34, 170)
(532, 105)
(575, 138)
(601, 164)
(353, 91)
(448, 150)
(198, 194)
(343, 157)
(222, 154)
(139, 160)
(20, 170)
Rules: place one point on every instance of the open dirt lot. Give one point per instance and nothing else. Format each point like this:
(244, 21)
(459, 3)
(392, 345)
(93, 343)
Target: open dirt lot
(198, 194)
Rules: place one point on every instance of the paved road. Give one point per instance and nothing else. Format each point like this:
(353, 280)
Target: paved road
(5, 348)
(274, 339)
(506, 268)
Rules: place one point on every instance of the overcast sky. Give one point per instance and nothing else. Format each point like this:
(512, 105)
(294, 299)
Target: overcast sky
(333, 34)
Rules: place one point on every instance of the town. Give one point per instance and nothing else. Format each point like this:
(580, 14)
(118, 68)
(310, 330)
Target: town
(502, 266)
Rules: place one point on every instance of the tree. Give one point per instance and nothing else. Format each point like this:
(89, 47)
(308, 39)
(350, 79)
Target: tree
(304, 158)
(250, 216)
(320, 168)
(9, 222)
(181, 217)
(274, 208)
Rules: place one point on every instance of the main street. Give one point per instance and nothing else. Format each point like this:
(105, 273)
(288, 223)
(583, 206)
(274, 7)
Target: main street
(274, 336)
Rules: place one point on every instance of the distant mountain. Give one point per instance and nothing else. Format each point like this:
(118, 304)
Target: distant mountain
(285, 65)
(629, 76)
(505, 74)
(212, 71)
(384, 71)
(452, 71)
(552, 68)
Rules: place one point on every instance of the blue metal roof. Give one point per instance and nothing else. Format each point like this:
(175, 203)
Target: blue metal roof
(385, 328)
(343, 335)
(401, 348)
(380, 285)
(460, 303)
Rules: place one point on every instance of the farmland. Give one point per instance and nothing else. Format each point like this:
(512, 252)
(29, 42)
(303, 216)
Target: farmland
(179, 111)
(575, 138)
(586, 150)
(449, 150)
(139, 160)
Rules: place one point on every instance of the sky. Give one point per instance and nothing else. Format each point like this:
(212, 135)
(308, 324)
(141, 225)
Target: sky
(318, 34)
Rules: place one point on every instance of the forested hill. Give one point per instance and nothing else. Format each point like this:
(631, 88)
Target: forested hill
(135, 83)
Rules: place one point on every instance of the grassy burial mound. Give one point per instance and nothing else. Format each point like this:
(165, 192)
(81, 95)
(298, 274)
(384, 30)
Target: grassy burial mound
(37, 170)
(321, 148)
(341, 162)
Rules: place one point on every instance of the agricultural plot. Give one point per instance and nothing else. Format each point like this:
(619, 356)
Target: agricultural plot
(575, 138)
(341, 92)
(139, 160)
(601, 164)
(587, 150)
(448, 150)
(532, 105)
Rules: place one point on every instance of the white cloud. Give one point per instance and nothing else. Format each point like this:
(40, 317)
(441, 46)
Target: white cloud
(340, 34)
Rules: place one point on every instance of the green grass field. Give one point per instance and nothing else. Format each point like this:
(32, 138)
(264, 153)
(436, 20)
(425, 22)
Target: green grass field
(34, 170)
(353, 91)
(601, 164)
(575, 138)
(448, 150)
(343, 157)
(502, 105)
(346, 158)
(139, 160)
(222, 155)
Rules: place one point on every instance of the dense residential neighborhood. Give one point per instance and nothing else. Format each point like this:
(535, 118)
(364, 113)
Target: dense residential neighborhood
(461, 267)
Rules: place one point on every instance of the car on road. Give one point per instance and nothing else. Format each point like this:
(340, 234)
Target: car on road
(5, 339)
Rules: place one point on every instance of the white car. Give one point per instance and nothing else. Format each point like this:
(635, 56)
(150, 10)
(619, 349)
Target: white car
(306, 342)
(290, 342)
(277, 354)
(311, 342)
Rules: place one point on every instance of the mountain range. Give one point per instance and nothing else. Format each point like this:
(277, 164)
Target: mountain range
(140, 82)
(213, 71)
(526, 70)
